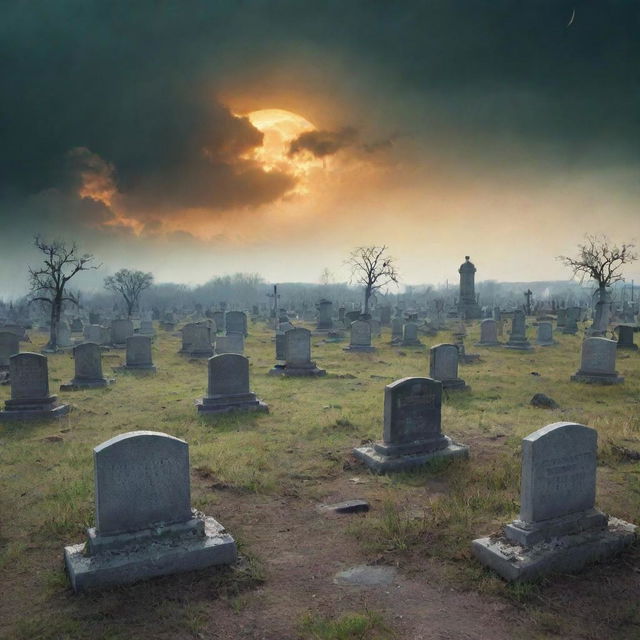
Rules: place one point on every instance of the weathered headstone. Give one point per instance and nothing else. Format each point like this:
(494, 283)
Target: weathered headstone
(410, 335)
(443, 366)
(625, 338)
(233, 343)
(76, 325)
(559, 528)
(572, 314)
(9, 346)
(87, 359)
(598, 362)
(228, 388)
(139, 357)
(64, 335)
(360, 337)
(146, 328)
(396, 329)
(145, 525)
(544, 337)
(488, 334)
(561, 320)
(412, 432)
(297, 355)
(468, 307)
(325, 311)
(236, 322)
(30, 397)
(92, 333)
(518, 338)
(121, 330)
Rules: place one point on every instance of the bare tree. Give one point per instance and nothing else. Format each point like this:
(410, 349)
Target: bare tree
(61, 262)
(129, 284)
(600, 260)
(372, 268)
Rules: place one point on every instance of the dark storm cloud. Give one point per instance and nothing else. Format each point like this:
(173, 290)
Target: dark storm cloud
(323, 143)
(134, 85)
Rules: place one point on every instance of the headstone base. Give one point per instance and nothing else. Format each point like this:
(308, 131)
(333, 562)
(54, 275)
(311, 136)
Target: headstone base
(546, 344)
(487, 344)
(597, 378)
(226, 404)
(297, 372)
(77, 385)
(199, 354)
(567, 331)
(567, 553)
(380, 463)
(46, 408)
(529, 533)
(458, 384)
(156, 557)
(362, 349)
(519, 345)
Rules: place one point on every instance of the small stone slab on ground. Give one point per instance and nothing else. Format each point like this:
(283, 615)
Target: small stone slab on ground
(544, 401)
(349, 506)
(366, 576)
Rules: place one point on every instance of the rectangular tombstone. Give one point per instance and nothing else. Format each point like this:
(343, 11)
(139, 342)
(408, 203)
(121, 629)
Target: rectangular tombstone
(141, 481)
(88, 361)
(145, 526)
(29, 374)
(598, 362)
(412, 428)
(559, 528)
(443, 366)
(412, 412)
(121, 329)
(9, 346)
(488, 333)
(360, 336)
(298, 347)
(236, 322)
(139, 355)
(233, 343)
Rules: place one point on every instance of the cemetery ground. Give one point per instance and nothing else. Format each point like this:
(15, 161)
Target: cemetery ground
(264, 475)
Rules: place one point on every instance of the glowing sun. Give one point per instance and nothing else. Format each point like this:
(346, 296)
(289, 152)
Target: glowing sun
(280, 128)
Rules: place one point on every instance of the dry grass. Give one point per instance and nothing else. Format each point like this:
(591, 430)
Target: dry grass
(46, 488)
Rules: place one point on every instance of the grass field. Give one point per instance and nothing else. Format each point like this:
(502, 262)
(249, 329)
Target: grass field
(262, 476)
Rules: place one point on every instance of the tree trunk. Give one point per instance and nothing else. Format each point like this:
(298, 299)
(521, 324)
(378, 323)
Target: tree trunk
(55, 323)
(367, 295)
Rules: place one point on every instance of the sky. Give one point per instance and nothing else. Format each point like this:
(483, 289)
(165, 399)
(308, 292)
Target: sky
(194, 139)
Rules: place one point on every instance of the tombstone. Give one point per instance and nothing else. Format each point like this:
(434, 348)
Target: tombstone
(236, 322)
(360, 337)
(18, 329)
(397, 325)
(200, 345)
(76, 325)
(297, 356)
(601, 319)
(145, 525)
(218, 318)
(94, 318)
(561, 320)
(443, 366)
(139, 356)
(228, 388)
(87, 358)
(625, 338)
(518, 338)
(233, 343)
(146, 328)
(341, 314)
(488, 334)
(468, 306)
(187, 332)
(30, 397)
(121, 330)
(598, 362)
(64, 335)
(325, 311)
(92, 333)
(9, 346)
(544, 337)
(385, 316)
(412, 434)
(572, 314)
(559, 529)
(376, 327)
(410, 335)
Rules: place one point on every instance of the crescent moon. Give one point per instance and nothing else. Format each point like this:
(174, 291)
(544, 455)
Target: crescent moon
(573, 16)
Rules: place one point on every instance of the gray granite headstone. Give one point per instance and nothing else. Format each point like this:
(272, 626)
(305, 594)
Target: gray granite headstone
(544, 337)
(232, 343)
(360, 337)
(9, 345)
(412, 432)
(87, 359)
(298, 347)
(625, 337)
(410, 335)
(121, 329)
(145, 526)
(598, 362)
(488, 333)
(141, 481)
(518, 338)
(443, 366)
(139, 353)
(236, 322)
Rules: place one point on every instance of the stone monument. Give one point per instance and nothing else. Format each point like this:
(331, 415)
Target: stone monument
(598, 362)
